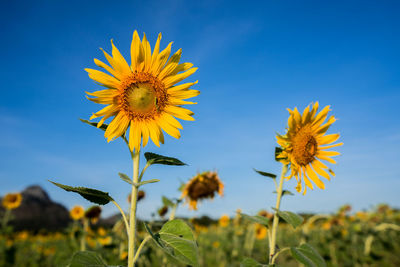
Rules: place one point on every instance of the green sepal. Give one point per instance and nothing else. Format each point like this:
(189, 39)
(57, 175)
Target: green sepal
(93, 195)
(285, 192)
(167, 202)
(125, 178)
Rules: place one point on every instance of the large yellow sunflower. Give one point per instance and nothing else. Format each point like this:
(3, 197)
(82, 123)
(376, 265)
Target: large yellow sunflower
(12, 201)
(305, 144)
(142, 95)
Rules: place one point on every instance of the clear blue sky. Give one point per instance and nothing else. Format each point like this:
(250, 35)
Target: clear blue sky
(255, 60)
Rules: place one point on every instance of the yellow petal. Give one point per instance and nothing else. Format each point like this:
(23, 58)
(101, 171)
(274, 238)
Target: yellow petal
(145, 133)
(327, 159)
(306, 115)
(103, 78)
(171, 65)
(314, 177)
(156, 51)
(171, 80)
(320, 171)
(184, 94)
(182, 67)
(117, 127)
(326, 126)
(161, 60)
(321, 116)
(120, 60)
(107, 68)
(169, 129)
(327, 139)
(328, 153)
(180, 112)
(147, 53)
(331, 146)
(181, 87)
(171, 120)
(104, 111)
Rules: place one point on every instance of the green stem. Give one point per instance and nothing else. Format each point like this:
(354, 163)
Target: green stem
(123, 216)
(276, 217)
(132, 220)
(147, 238)
(277, 253)
(172, 215)
(5, 219)
(85, 230)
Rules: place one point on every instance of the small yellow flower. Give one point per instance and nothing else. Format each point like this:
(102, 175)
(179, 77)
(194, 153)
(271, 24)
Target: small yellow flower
(304, 143)
(224, 221)
(123, 255)
(104, 241)
(202, 186)
(12, 201)
(216, 244)
(22, 236)
(143, 95)
(261, 231)
(77, 213)
(101, 231)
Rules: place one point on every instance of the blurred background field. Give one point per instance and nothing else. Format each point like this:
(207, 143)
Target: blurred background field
(343, 238)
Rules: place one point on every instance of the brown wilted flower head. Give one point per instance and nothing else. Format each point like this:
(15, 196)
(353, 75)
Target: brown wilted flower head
(93, 213)
(12, 201)
(266, 214)
(163, 211)
(141, 195)
(202, 186)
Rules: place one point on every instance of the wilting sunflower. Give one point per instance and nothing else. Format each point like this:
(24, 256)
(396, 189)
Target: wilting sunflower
(163, 211)
(93, 214)
(305, 144)
(202, 186)
(12, 201)
(77, 213)
(143, 95)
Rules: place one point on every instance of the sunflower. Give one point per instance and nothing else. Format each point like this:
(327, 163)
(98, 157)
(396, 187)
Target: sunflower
(261, 231)
(12, 201)
(202, 186)
(143, 95)
(163, 211)
(305, 144)
(77, 213)
(223, 221)
(93, 214)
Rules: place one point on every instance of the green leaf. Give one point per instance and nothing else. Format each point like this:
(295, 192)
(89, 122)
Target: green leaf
(176, 239)
(94, 124)
(291, 218)
(87, 259)
(308, 256)
(257, 218)
(125, 178)
(267, 174)
(153, 158)
(167, 202)
(93, 195)
(147, 182)
(278, 150)
(285, 192)
(249, 262)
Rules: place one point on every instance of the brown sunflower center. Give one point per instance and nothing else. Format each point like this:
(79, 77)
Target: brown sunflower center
(304, 146)
(142, 96)
(12, 198)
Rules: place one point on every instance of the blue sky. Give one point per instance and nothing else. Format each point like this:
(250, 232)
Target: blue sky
(255, 60)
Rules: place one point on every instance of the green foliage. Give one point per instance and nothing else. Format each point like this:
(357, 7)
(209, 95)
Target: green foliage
(266, 174)
(285, 192)
(249, 262)
(308, 256)
(291, 218)
(153, 158)
(125, 178)
(176, 239)
(86, 259)
(93, 195)
(167, 202)
(257, 219)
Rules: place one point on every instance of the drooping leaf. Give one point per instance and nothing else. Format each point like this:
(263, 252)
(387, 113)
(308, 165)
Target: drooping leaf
(167, 202)
(285, 192)
(94, 124)
(125, 178)
(291, 218)
(308, 256)
(87, 258)
(249, 262)
(257, 219)
(153, 158)
(267, 174)
(93, 195)
(177, 240)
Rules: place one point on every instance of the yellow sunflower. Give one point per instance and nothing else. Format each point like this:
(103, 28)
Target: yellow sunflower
(305, 144)
(12, 201)
(202, 186)
(261, 231)
(224, 221)
(77, 213)
(143, 95)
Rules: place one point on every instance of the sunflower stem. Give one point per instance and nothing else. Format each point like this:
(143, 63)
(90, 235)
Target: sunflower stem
(276, 217)
(84, 234)
(132, 220)
(5, 219)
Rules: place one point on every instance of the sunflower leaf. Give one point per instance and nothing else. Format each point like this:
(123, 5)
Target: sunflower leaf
(153, 158)
(267, 174)
(249, 262)
(285, 192)
(93, 195)
(94, 124)
(125, 178)
(257, 219)
(147, 182)
(167, 202)
(291, 218)
(87, 258)
(308, 256)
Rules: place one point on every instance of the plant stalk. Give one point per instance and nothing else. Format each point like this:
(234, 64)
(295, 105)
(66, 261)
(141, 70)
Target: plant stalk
(132, 220)
(276, 217)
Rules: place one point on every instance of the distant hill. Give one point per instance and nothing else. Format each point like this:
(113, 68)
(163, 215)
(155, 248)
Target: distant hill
(38, 211)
